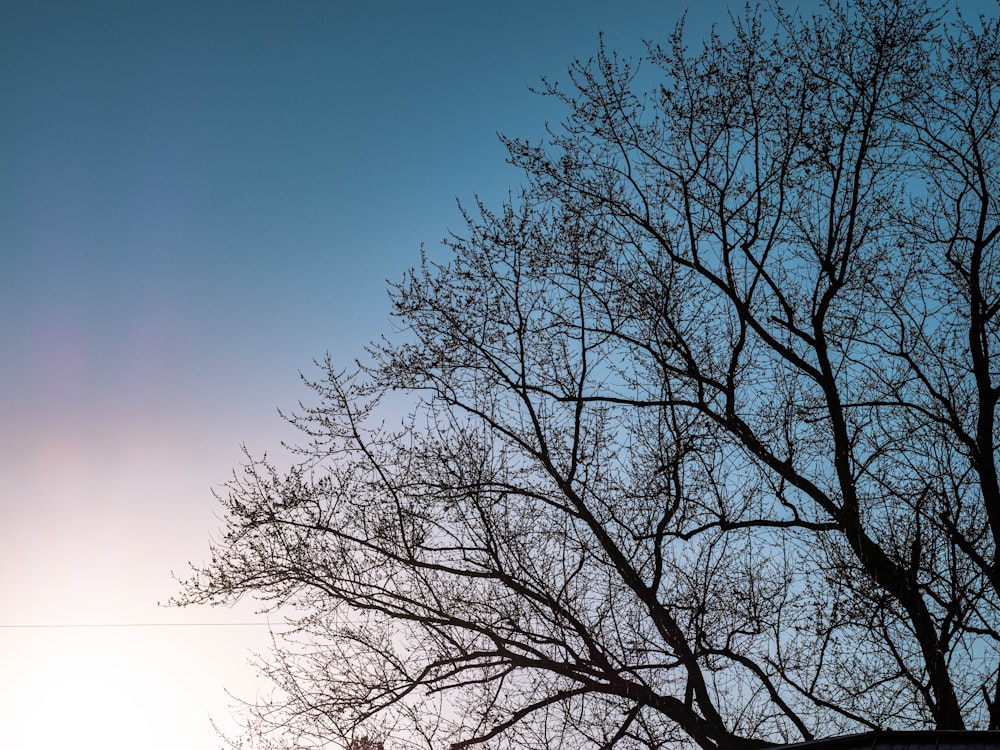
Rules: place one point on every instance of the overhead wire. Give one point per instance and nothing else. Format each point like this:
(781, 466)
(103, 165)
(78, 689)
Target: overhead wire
(66, 626)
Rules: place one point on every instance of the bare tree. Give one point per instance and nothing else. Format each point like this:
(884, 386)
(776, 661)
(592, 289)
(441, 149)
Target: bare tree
(703, 435)
(364, 742)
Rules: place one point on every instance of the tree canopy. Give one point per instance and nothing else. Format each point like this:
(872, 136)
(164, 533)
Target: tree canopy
(702, 436)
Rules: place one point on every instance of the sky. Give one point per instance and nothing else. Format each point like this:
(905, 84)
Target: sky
(199, 199)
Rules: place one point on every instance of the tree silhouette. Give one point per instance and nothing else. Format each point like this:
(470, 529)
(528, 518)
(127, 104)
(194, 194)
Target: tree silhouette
(365, 743)
(703, 436)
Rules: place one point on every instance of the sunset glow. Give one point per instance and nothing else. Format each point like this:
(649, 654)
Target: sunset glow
(98, 689)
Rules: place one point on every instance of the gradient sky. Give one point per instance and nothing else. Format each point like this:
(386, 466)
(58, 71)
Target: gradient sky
(197, 200)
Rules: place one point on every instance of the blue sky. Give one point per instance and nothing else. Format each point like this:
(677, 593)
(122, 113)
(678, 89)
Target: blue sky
(210, 197)
(197, 200)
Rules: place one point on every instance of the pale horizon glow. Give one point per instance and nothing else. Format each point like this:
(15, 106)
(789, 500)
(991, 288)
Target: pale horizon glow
(101, 688)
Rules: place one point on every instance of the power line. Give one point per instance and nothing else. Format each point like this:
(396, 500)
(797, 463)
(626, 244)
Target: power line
(39, 626)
